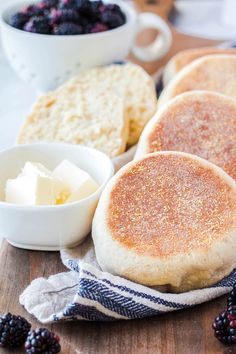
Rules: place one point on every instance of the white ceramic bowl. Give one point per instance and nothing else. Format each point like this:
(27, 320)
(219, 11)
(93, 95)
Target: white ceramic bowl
(46, 61)
(50, 227)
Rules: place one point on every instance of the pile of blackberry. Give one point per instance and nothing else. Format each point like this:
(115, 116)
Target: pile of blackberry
(224, 325)
(68, 17)
(15, 331)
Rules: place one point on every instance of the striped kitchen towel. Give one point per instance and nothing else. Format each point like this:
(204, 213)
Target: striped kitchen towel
(87, 293)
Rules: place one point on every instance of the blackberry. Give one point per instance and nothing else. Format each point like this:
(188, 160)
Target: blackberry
(113, 7)
(83, 6)
(67, 4)
(68, 28)
(69, 15)
(42, 340)
(33, 10)
(231, 301)
(54, 16)
(50, 3)
(13, 330)
(38, 25)
(112, 19)
(65, 15)
(95, 9)
(87, 28)
(98, 27)
(224, 326)
(19, 20)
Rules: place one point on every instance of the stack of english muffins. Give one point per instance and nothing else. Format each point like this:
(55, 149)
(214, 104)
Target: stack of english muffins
(167, 218)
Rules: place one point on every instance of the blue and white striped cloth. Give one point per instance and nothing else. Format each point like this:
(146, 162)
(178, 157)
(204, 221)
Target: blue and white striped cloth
(87, 293)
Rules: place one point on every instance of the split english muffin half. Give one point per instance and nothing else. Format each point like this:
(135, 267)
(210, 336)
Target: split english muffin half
(78, 114)
(168, 219)
(104, 107)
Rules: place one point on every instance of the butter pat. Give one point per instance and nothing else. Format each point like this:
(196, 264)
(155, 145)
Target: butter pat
(79, 182)
(36, 185)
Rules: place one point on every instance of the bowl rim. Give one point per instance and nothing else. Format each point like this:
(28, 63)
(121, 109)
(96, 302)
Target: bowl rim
(126, 8)
(36, 208)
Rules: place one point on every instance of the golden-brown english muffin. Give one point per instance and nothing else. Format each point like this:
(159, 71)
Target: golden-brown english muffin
(168, 219)
(198, 122)
(185, 57)
(211, 73)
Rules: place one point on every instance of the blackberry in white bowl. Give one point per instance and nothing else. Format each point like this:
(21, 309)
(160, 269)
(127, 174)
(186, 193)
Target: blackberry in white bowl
(50, 41)
(68, 17)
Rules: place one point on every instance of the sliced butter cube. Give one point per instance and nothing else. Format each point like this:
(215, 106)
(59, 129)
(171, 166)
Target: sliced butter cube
(35, 168)
(36, 186)
(79, 182)
(20, 191)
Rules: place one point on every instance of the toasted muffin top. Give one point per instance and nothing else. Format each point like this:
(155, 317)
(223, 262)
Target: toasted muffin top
(171, 203)
(185, 57)
(215, 73)
(200, 123)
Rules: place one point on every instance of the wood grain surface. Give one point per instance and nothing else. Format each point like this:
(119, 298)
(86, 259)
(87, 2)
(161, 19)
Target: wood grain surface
(183, 332)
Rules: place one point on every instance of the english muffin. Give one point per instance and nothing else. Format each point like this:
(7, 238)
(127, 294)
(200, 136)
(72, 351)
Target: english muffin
(168, 219)
(105, 107)
(211, 73)
(185, 57)
(198, 122)
(133, 85)
(79, 114)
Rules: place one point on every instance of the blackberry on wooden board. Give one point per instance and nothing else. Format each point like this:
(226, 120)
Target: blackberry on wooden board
(224, 326)
(13, 330)
(42, 340)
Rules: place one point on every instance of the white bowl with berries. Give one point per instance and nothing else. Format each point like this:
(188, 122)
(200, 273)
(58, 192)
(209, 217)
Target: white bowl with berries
(48, 42)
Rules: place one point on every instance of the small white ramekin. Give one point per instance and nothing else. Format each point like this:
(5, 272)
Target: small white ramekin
(50, 227)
